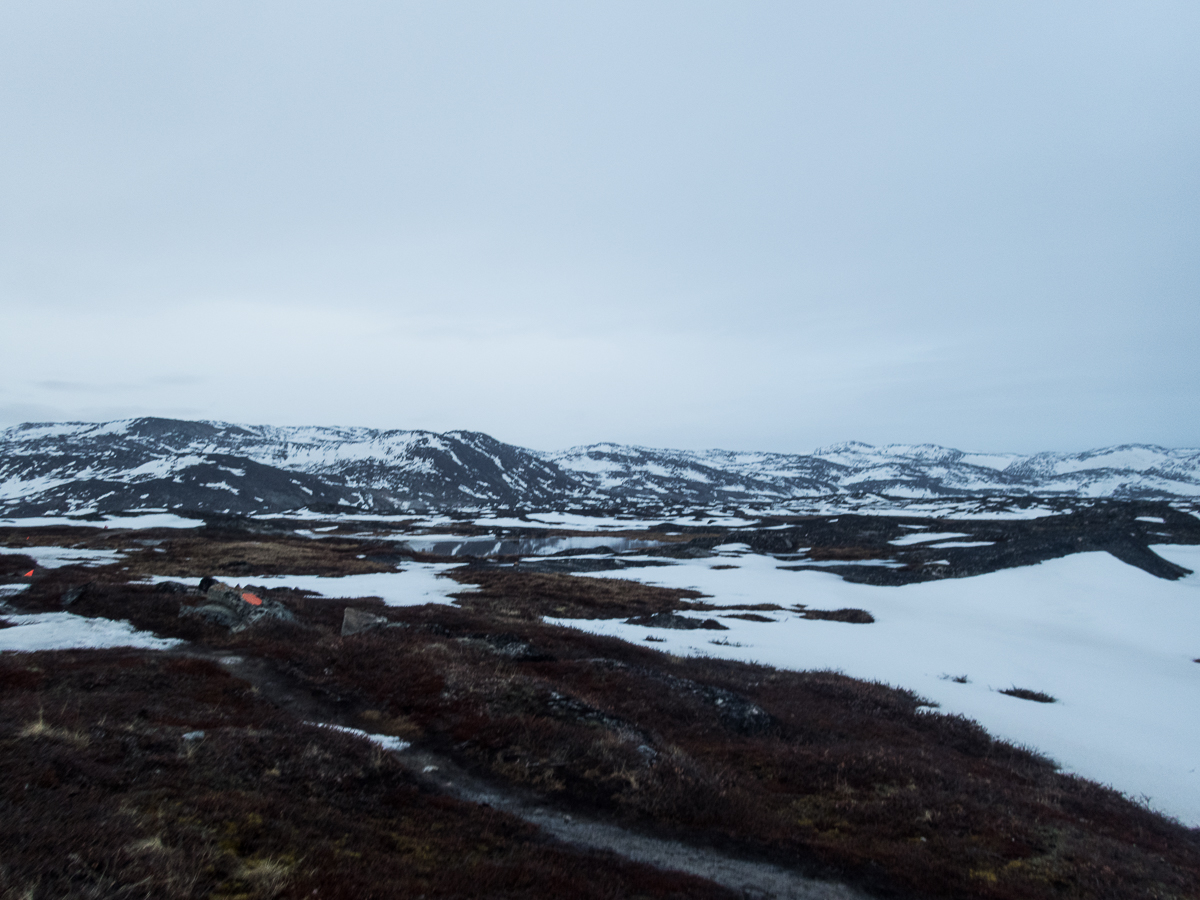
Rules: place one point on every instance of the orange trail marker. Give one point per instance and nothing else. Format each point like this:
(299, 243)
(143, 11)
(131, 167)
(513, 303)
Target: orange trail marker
(252, 599)
(29, 574)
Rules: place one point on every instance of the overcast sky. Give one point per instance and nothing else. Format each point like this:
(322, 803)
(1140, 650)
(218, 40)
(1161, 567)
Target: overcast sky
(742, 225)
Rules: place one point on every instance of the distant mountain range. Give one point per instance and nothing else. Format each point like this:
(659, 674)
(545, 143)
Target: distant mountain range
(149, 463)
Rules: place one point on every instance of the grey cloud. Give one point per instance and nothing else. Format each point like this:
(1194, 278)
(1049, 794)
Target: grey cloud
(710, 194)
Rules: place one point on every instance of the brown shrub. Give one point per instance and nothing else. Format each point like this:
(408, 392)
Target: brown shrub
(257, 806)
(1027, 694)
(811, 769)
(530, 595)
(854, 616)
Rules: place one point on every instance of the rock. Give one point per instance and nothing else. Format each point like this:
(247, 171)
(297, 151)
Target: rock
(234, 608)
(172, 587)
(231, 597)
(73, 593)
(671, 620)
(510, 645)
(210, 612)
(357, 621)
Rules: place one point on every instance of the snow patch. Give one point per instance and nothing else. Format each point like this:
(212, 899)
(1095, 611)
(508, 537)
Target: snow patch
(65, 631)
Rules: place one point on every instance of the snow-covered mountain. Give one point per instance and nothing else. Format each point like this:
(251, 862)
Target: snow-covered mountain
(166, 463)
(900, 471)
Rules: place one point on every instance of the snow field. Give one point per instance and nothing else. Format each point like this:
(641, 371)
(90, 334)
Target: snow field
(65, 631)
(1112, 643)
(416, 585)
(143, 520)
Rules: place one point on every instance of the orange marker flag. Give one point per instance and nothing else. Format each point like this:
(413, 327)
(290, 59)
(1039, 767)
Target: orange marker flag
(252, 599)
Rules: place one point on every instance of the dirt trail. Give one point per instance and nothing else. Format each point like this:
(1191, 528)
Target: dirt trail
(754, 880)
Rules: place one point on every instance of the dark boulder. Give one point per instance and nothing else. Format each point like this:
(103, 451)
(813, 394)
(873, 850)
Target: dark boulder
(671, 620)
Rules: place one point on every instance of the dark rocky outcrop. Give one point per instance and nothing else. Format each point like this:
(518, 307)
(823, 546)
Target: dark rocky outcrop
(672, 620)
(235, 608)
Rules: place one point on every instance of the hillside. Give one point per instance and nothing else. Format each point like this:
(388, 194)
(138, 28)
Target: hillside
(81, 468)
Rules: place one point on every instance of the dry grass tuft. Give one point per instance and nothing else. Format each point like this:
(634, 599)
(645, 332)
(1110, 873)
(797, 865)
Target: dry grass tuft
(853, 616)
(39, 728)
(533, 595)
(1027, 694)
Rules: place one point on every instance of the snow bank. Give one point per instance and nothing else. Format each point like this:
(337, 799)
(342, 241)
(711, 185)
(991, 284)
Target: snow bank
(57, 557)
(386, 741)
(144, 520)
(416, 585)
(1113, 644)
(65, 631)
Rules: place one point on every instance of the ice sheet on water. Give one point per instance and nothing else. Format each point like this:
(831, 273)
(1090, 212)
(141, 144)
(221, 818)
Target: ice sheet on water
(945, 545)
(922, 537)
(578, 521)
(833, 563)
(143, 520)
(494, 545)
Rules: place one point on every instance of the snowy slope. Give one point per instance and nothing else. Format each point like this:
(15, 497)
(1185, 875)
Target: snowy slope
(165, 463)
(148, 463)
(898, 470)
(1112, 644)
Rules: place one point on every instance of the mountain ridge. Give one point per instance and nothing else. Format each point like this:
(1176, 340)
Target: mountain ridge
(81, 467)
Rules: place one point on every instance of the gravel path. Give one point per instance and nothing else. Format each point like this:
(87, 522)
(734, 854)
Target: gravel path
(753, 879)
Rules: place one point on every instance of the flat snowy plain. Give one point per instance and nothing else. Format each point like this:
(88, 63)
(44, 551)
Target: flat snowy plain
(1113, 644)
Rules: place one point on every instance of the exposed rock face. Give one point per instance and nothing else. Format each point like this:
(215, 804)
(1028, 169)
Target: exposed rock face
(236, 609)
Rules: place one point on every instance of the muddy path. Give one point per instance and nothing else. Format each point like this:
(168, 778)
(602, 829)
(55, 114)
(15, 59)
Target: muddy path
(752, 878)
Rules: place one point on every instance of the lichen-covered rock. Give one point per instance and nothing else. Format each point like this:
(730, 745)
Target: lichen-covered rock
(235, 608)
(211, 612)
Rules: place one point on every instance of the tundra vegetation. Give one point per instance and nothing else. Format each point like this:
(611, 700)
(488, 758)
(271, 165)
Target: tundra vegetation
(174, 774)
